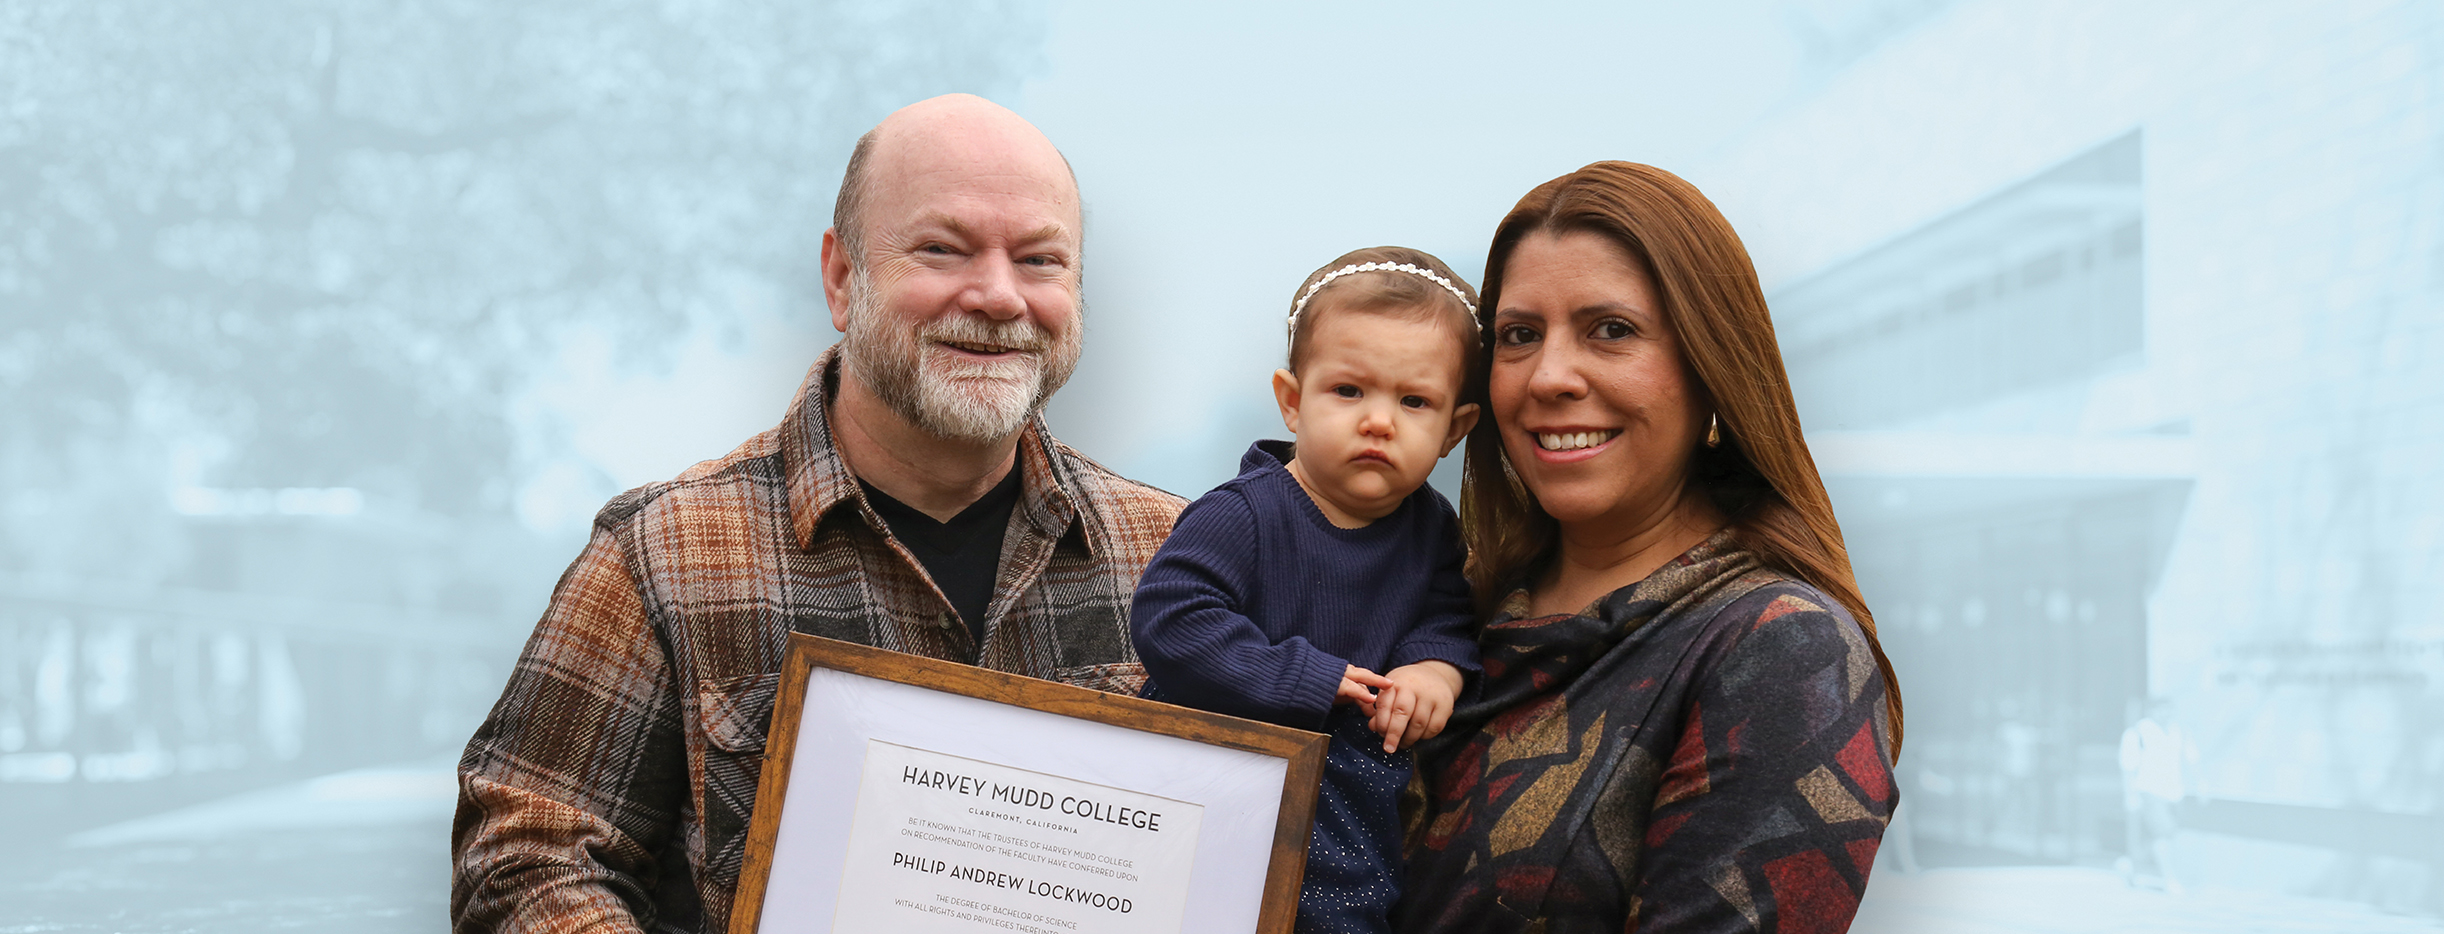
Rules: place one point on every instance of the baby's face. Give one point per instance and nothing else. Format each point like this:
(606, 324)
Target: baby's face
(1376, 405)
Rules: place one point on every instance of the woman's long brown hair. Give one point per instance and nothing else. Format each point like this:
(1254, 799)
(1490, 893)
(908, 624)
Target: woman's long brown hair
(1761, 477)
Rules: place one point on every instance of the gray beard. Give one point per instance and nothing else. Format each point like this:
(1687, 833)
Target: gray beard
(974, 403)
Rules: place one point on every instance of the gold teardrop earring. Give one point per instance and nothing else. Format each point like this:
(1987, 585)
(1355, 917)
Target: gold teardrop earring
(1714, 431)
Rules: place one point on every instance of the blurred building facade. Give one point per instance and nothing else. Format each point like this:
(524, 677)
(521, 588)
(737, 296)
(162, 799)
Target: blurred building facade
(2113, 328)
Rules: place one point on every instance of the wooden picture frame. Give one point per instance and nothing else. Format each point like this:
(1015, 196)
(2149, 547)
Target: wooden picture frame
(978, 699)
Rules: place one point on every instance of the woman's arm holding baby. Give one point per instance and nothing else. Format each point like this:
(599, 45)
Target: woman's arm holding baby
(1416, 704)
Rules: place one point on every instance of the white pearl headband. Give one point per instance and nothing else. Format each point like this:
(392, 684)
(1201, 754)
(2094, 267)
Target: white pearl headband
(1430, 276)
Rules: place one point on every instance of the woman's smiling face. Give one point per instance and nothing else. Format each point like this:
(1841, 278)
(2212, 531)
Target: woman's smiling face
(1597, 411)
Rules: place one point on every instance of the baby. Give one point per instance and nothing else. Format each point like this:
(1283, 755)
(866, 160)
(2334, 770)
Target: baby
(1281, 594)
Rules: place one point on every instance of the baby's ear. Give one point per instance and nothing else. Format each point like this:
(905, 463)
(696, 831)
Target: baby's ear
(1285, 395)
(1463, 419)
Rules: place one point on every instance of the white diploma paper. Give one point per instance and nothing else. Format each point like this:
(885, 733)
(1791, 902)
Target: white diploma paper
(942, 843)
(1240, 792)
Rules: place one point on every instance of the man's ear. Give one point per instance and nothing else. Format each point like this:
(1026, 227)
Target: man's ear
(836, 278)
(1463, 419)
(1285, 395)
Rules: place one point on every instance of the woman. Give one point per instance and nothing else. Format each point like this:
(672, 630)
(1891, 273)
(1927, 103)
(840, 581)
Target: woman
(1685, 722)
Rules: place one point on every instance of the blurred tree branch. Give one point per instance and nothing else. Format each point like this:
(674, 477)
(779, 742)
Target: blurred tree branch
(335, 237)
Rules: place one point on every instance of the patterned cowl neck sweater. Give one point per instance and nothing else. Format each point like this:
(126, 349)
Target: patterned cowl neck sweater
(1701, 751)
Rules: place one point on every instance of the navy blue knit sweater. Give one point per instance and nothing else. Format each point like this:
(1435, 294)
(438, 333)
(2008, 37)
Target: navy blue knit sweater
(1256, 604)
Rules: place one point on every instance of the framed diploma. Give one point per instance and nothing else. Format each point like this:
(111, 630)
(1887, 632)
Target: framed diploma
(902, 793)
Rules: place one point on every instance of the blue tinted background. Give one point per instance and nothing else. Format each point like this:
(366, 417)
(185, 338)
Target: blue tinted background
(326, 325)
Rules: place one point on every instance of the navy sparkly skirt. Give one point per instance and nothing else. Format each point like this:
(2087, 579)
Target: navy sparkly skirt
(1353, 861)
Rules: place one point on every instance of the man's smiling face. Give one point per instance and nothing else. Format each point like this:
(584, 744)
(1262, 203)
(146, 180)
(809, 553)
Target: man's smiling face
(963, 314)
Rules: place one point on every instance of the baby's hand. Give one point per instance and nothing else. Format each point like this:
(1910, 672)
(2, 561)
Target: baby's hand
(1355, 685)
(1417, 703)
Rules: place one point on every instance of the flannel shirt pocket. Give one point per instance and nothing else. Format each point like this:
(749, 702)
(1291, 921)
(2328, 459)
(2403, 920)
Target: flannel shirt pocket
(737, 713)
(738, 710)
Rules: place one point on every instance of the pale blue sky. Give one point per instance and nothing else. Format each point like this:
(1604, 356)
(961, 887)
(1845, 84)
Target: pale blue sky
(1223, 155)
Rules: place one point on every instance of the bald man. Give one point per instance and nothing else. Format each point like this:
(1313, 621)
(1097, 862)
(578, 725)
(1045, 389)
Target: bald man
(911, 499)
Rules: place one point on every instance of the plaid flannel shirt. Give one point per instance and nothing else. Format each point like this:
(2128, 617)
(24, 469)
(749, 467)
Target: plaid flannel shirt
(610, 788)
